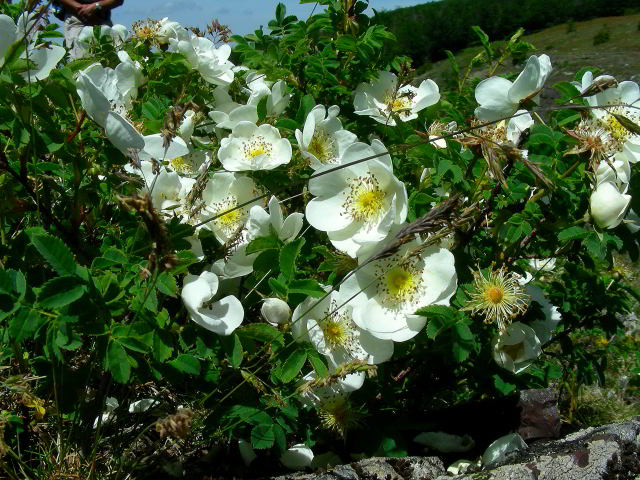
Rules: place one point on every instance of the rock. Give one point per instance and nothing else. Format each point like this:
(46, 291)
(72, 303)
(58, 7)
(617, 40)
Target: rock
(610, 452)
(603, 453)
(379, 468)
(539, 416)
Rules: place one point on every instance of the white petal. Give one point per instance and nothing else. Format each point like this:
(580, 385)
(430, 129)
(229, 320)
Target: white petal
(122, 134)
(297, 457)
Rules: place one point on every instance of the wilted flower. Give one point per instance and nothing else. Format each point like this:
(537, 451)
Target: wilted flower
(323, 140)
(499, 97)
(359, 203)
(498, 296)
(252, 147)
(382, 99)
(516, 347)
(608, 205)
(221, 317)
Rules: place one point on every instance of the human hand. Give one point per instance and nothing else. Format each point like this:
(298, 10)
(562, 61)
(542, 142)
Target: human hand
(86, 12)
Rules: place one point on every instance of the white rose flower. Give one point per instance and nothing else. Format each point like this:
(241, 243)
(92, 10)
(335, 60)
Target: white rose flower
(211, 62)
(357, 204)
(130, 77)
(543, 328)
(614, 170)
(225, 191)
(624, 98)
(250, 147)
(98, 105)
(278, 97)
(143, 405)
(382, 99)
(167, 29)
(499, 97)
(154, 148)
(44, 58)
(297, 457)
(221, 317)
(323, 140)
(608, 205)
(275, 311)
(387, 292)
(227, 113)
(259, 224)
(516, 347)
(329, 326)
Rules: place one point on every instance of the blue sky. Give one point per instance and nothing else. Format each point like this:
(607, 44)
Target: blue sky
(242, 16)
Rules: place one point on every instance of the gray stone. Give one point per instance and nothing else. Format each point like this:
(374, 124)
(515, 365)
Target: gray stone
(610, 452)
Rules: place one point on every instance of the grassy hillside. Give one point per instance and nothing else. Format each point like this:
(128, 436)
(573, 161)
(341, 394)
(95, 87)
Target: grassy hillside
(571, 47)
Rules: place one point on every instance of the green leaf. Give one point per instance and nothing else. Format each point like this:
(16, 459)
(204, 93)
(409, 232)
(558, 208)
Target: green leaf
(263, 243)
(596, 247)
(262, 436)
(287, 124)
(502, 386)
(237, 354)
(53, 250)
(306, 105)
(281, 11)
(346, 43)
(166, 284)
(454, 63)
(262, 333)
(307, 286)
(292, 365)
(186, 364)
(60, 291)
(316, 361)
(162, 345)
(133, 343)
(572, 233)
(24, 324)
(262, 109)
(288, 256)
(484, 39)
(277, 287)
(118, 362)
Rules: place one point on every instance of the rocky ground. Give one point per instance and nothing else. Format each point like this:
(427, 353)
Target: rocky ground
(610, 452)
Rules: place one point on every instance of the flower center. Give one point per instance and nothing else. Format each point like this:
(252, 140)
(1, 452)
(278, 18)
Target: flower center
(230, 222)
(334, 333)
(182, 165)
(400, 285)
(514, 351)
(322, 147)
(366, 200)
(495, 294)
(257, 147)
(400, 104)
(399, 281)
(616, 128)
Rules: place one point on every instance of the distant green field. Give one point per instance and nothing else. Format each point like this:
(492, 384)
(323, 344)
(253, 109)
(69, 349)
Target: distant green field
(570, 50)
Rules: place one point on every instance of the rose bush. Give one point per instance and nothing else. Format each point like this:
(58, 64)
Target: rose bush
(287, 236)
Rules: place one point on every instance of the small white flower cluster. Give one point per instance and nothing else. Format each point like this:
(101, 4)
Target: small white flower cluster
(615, 146)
